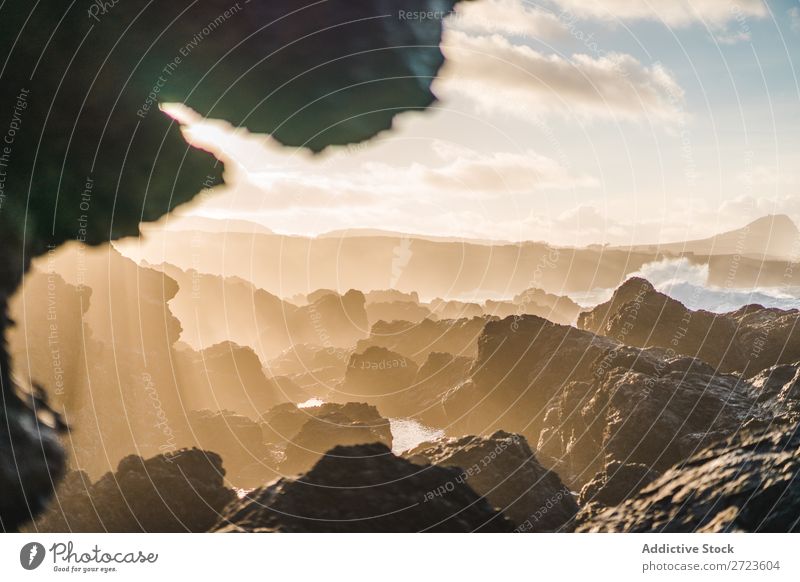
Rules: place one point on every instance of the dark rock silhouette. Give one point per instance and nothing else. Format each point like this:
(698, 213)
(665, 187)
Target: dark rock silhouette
(746, 484)
(78, 176)
(505, 471)
(177, 492)
(365, 489)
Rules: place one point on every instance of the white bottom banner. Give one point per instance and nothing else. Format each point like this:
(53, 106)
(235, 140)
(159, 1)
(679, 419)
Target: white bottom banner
(401, 557)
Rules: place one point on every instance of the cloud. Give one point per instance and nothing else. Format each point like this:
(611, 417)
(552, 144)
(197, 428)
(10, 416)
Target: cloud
(508, 172)
(714, 13)
(794, 18)
(512, 17)
(516, 79)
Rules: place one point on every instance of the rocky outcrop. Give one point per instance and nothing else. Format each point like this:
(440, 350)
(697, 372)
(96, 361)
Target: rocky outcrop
(767, 337)
(644, 410)
(747, 341)
(616, 483)
(439, 374)
(177, 492)
(638, 315)
(378, 376)
(417, 340)
(746, 484)
(444, 310)
(522, 363)
(365, 489)
(312, 367)
(237, 439)
(504, 470)
(330, 425)
(556, 308)
(226, 376)
(396, 311)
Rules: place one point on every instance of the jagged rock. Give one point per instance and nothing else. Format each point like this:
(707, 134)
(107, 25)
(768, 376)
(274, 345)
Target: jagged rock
(638, 315)
(390, 296)
(522, 363)
(365, 489)
(446, 310)
(378, 376)
(747, 483)
(226, 376)
(116, 119)
(249, 462)
(748, 340)
(396, 311)
(280, 423)
(313, 368)
(182, 491)
(656, 412)
(616, 483)
(417, 340)
(330, 425)
(440, 373)
(505, 471)
(555, 308)
(767, 337)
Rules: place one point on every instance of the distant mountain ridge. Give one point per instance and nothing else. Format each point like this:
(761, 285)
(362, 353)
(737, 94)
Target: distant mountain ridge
(437, 267)
(773, 236)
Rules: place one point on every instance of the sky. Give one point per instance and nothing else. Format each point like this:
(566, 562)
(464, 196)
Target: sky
(567, 121)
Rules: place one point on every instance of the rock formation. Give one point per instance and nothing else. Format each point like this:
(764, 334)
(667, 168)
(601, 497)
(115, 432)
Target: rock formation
(416, 341)
(504, 470)
(333, 425)
(182, 491)
(747, 340)
(745, 484)
(645, 410)
(365, 489)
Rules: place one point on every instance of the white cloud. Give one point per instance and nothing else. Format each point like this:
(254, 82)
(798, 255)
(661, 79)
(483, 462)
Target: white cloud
(507, 172)
(512, 17)
(516, 79)
(714, 13)
(794, 18)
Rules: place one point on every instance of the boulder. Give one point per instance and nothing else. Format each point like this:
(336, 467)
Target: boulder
(182, 491)
(522, 363)
(616, 483)
(378, 376)
(745, 484)
(249, 462)
(330, 425)
(747, 340)
(638, 315)
(654, 412)
(417, 340)
(365, 489)
(504, 470)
